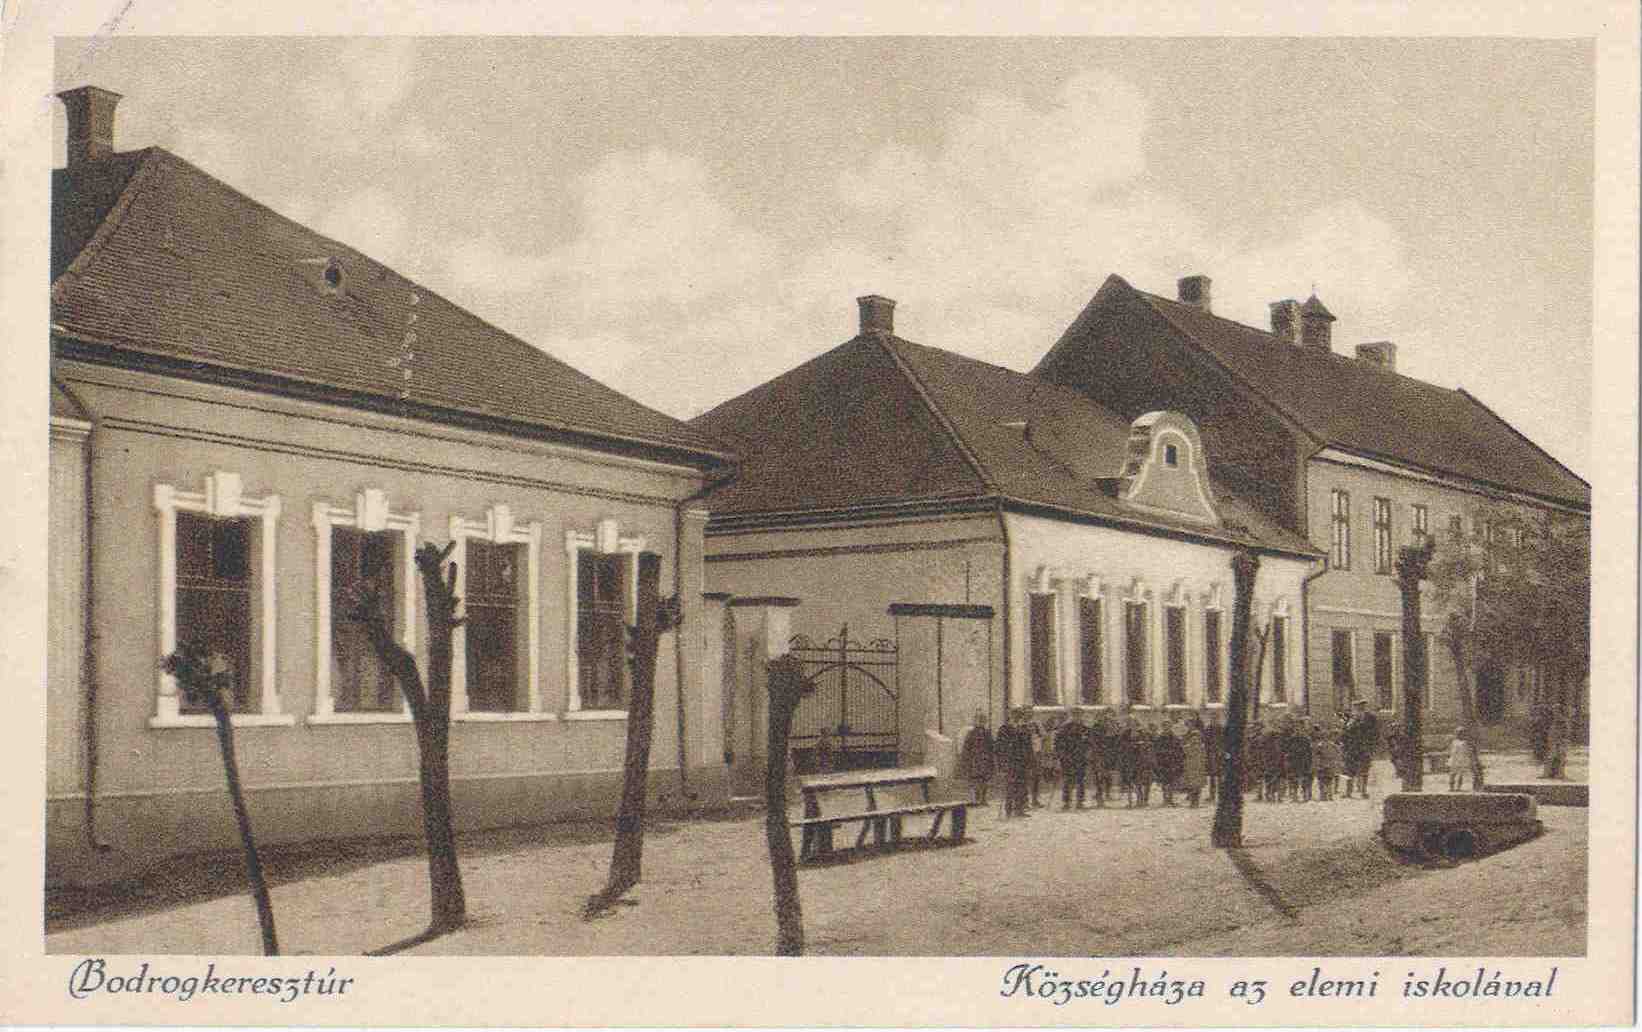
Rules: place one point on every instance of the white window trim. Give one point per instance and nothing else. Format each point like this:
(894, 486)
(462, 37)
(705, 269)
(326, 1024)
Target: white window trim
(498, 527)
(1211, 599)
(1139, 593)
(606, 539)
(223, 497)
(370, 513)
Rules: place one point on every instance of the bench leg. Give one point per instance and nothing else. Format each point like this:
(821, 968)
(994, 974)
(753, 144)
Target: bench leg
(823, 839)
(806, 842)
(866, 826)
(880, 830)
(959, 819)
(935, 829)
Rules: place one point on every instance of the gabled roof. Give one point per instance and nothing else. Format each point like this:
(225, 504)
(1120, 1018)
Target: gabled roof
(154, 259)
(1363, 408)
(882, 421)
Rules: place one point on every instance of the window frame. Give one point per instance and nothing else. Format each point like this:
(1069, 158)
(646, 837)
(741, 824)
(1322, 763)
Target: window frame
(1214, 647)
(1391, 671)
(1091, 650)
(1420, 522)
(1382, 536)
(498, 527)
(1350, 655)
(1046, 660)
(371, 514)
(223, 497)
(1131, 649)
(1339, 555)
(606, 539)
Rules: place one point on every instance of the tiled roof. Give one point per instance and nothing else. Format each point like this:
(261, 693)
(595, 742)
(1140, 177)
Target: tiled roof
(1374, 412)
(151, 255)
(880, 420)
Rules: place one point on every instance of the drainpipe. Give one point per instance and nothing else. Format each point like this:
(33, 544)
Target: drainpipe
(678, 634)
(1008, 614)
(1305, 631)
(88, 660)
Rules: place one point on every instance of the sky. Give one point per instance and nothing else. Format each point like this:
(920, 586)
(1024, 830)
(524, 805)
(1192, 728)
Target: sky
(685, 218)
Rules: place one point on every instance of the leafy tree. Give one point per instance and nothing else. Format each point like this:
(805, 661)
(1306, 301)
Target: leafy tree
(430, 709)
(206, 680)
(1515, 587)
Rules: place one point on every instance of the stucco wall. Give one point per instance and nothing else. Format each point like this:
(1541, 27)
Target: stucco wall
(158, 787)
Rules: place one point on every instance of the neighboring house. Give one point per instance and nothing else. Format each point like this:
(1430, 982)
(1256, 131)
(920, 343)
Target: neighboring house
(248, 421)
(1021, 544)
(1359, 458)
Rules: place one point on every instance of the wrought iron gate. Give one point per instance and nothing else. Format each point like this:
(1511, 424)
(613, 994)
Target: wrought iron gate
(852, 696)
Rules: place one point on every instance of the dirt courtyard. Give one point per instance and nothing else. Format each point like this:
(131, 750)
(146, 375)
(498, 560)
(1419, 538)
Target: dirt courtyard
(1313, 879)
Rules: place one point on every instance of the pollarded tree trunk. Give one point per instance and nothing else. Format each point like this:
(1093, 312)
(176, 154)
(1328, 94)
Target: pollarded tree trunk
(1227, 832)
(1412, 562)
(655, 618)
(786, 687)
(205, 685)
(430, 710)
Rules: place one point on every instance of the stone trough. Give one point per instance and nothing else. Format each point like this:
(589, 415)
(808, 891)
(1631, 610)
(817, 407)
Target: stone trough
(1458, 825)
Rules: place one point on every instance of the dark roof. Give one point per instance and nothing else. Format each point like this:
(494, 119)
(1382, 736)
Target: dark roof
(153, 257)
(880, 421)
(1370, 411)
(1315, 306)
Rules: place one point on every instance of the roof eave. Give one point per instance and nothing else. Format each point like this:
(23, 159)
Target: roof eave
(1028, 507)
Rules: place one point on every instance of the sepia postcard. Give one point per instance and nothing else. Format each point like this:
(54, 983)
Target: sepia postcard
(740, 516)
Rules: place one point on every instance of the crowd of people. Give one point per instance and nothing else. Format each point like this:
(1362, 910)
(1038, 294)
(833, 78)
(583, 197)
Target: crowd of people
(1122, 756)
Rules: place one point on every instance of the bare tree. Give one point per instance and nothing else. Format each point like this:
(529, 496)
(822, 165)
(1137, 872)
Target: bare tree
(205, 679)
(1227, 831)
(655, 617)
(786, 681)
(430, 710)
(1412, 562)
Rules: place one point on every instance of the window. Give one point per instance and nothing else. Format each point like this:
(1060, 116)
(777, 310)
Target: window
(1279, 659)
(1384, 691)
(1134, 651)
(1345, 669)
(1211, 655)
(1174, 631)
(603, 595)
(1382, 535)
(1171, 455)
(1340, 526)
(495, 661)
(365, 547)
(214, 597)
(1091, 690)
(1422, 524)
(1042, 649)
(216, 587)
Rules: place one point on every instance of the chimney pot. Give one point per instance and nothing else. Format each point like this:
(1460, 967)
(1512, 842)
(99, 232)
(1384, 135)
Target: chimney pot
(1380, 353)
(877, 313)
(1285, 321)
(1194, 290)
(90, 123)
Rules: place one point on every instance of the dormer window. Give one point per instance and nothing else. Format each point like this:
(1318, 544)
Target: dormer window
(1171, 455)
(333, 274)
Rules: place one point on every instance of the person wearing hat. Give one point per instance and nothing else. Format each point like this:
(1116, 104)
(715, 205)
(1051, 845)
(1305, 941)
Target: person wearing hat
(1015, 751)
(1171, 762)
(975, 758)
(1072, 753)
(1362, 735)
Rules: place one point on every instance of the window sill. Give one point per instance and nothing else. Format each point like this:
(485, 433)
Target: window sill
(491, 717)
(236, 720)
(597, 714)
(390, 717)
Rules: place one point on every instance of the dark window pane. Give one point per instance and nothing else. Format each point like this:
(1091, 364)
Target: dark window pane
(1211, 654)
(1344, 675)
(495, 618)
(1174, 625)
(1042, 649)
(601, 622)
(359, 679)
(1279, 659)
(1134, 651)
(1092, 689)
(1382, 669)
(214, 598)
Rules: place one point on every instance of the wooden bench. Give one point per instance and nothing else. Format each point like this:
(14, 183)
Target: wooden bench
(880, 813)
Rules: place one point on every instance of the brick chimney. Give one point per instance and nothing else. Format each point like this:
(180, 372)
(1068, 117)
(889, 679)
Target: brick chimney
(1194, 290)
(1285, 321)
(90, 123)
(1316, 325)
(1380, 353)
(877, 313)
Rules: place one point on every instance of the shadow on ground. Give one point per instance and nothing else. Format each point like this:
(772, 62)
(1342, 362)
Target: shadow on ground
(197, 877)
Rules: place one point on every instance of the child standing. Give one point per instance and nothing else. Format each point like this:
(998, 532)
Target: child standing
(975, 758)
(1460, 758)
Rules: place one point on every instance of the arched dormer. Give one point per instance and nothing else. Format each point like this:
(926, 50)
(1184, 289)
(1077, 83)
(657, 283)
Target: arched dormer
(1166, 470)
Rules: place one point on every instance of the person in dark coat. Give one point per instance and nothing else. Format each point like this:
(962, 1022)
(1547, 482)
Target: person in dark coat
(1254, 756)
(1145, 766)
(1072, 753)
(1098, 753)
(1362, 737)
(1171, 762)
(1271, 761)
(1214, 763)
(1014, 746)
(1297, 762)
(1039, 761)
(975, 758)
(1127, 754)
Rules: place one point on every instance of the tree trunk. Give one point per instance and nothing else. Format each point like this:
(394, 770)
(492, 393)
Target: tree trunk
(253, 863)
(626, 861)
(1411, 566)
(786, 686)
(1227, 832)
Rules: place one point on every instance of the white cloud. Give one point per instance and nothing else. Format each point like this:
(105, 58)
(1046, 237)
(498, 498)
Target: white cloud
(372, 220)
(379, 71)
